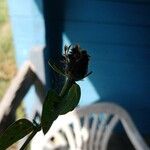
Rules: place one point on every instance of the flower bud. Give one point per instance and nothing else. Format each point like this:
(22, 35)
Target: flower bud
(76, 62)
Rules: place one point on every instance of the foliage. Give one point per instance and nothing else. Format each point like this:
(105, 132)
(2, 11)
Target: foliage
(55, 104)
(15, 132)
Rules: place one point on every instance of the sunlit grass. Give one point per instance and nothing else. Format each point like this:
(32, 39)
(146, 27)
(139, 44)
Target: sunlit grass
(3, 12)
(7, 57)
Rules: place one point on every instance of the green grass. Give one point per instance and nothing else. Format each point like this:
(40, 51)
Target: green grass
(3, 12)
(7, 58)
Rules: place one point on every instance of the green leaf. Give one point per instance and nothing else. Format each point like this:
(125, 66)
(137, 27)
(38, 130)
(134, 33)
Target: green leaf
(56, 68)
(15, 132)
(49, 112)
(71, 100)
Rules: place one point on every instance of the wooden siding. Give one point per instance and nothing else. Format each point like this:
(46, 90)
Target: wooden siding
(117, 36)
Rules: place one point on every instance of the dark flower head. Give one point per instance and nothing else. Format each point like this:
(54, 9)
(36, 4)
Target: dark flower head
(76, 62)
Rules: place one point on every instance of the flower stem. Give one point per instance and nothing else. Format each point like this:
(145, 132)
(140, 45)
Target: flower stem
(37, 129)
(66, 87)
(28, 140)
(64, 91)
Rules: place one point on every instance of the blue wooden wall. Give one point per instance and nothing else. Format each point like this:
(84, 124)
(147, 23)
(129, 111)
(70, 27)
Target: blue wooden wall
(27, 26)
(117, 35)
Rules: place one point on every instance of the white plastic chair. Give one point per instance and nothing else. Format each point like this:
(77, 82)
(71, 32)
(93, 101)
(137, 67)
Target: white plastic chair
(88, 127)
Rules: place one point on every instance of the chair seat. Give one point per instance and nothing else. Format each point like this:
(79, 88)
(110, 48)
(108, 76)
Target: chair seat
(88, 127)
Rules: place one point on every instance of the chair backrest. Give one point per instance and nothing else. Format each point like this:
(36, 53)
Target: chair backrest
(90, 128)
